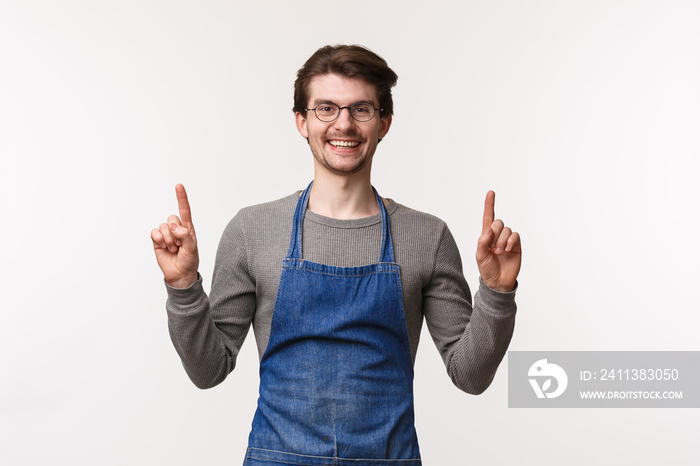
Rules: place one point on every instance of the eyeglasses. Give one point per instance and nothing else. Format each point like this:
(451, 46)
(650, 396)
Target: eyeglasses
(361, 111)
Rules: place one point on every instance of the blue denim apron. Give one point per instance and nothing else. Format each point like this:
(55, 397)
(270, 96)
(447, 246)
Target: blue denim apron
(336, 379)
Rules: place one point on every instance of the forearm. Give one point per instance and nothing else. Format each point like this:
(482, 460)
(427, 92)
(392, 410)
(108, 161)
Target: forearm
(476, 356)
(196, 338)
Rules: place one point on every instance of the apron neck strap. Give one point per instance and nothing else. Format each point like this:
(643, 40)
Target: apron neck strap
(386, 251)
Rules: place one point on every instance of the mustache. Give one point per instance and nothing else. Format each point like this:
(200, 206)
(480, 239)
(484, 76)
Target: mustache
(348, 135)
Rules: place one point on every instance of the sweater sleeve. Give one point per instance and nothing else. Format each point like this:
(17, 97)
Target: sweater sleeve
(208, 332)
(472, 340)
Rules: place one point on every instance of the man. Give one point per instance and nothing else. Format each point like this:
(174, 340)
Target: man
(336, 282)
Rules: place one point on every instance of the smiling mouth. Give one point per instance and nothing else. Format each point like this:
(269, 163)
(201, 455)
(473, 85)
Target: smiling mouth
(344, 144)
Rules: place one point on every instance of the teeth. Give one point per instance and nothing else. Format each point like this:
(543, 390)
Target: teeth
(344, 143)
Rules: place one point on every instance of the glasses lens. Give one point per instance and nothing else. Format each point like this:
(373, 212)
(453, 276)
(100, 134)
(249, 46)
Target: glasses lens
(327, 112)
(362, 112)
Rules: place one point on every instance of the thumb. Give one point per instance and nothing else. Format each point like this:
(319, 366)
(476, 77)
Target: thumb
(182, 234)
(482, 245)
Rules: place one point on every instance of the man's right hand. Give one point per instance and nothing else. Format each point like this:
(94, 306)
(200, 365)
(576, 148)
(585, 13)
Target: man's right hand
(175, 245)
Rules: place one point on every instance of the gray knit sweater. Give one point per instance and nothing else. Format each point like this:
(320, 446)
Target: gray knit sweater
(208, 331)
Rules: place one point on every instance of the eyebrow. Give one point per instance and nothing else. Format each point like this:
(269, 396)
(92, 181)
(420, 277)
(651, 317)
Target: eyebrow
(327, 101)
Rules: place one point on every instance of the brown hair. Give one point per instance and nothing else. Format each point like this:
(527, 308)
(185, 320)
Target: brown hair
(350, 61)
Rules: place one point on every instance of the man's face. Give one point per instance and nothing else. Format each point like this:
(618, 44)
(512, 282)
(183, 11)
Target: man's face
(344, 146)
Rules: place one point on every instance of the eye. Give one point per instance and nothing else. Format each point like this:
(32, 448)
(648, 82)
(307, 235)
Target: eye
(362, 109)
(326, 109)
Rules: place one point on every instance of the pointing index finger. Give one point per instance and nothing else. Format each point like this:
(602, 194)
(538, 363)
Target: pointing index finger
(183, 205)
(489, 213)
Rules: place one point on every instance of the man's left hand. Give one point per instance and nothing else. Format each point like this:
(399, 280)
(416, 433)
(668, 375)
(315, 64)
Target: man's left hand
(498, 252)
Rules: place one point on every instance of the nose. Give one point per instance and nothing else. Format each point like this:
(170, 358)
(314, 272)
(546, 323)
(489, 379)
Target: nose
(344, 120)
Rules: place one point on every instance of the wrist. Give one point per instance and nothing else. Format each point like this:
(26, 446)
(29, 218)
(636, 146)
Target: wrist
(501, 288)
(184, 282)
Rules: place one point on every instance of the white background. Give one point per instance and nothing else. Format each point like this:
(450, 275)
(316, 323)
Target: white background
(583, 116)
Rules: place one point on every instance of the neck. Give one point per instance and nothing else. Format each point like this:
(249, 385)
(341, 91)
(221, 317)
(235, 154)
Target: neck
(343, 197)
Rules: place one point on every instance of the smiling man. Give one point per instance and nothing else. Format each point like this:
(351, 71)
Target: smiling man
(342, 142)
(337, 282)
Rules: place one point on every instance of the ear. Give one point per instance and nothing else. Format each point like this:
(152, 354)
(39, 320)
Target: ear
(384, 125)
(301, 124)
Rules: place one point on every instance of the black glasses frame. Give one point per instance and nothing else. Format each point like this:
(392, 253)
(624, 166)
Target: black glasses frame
(340, 109)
